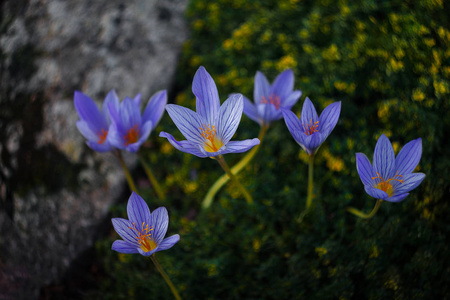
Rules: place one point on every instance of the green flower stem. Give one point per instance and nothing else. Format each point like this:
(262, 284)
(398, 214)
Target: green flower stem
(159, 191)
(310, 181)
(360, 214)
(125, 170)
(166, 277)
(235, 170)
(227, 170)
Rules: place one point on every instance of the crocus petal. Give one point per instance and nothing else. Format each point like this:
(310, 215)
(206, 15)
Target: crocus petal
(89, 112)
(122, 227)
(365, 169)
(250, 111)
(144, 133)
(262, 87)
(137, 100)
(329, 117)
(184, 146)
(160, 223)
(124, 247)
(169, 242)
(155, 108)
(229, 116)
(115, 136)
(86, 131)
(105, 147)
(291, 99)
(146, 254)
(376, 193)
(408, 158)
(112, 100)
(313, 142)
(188, 122)
(397, 198)
(309, 114)
(384, 158)
(130, 114)
(205, 90)
(283, 84)
(292, 122)
(410, 182)
(240, 146)
(137, 210)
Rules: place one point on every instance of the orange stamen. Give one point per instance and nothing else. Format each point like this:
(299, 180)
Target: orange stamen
(102, 136)
(311, 128)
(212, 144)
(132, 135)
(384, 185)
(273, 99)
(144, 236)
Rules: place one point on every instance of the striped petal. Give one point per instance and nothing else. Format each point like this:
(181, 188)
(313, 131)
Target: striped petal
(384, 158)
(376, 193)
(160, 223)
(187, 121)
(397, 198)
(89, 112)
(184, 146)
(155, 108)
(309, 114)
(137, 210)
(283, 84)
(205, 90)
(240, 146)
(364, 168)
(250, 111)
(410, 182)
(329, 117)
(229, 116)
(313, 142)
(292, 122)
(123, 247)
(169, 242)
(291, 99)
(122, 227)
(262, 87)
(408, 158)
(130, 114)
(112, 100)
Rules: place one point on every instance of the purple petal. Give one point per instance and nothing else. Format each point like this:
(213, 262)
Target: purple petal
(408, 158)
(144, 133)
(397, 198)
(112, 100)
(122, 227)
(105, 147)
(115, 136)
(410, 182)
(376, 193)
(292, 122)
(250, 111)
(86, 131)
(240, 146)
(188, 122)
(262, 87)
(313, 142)
(155, 108)
(130, 114)
(137, 210)
(124, 247)
(146, 254)
(291, 99)
(364, 168)
(205, 90)
(283, 84)
(329, 117)
(160, 223)
(229, 116)
(184, 146)
(309, 114)
(89, 112)
(384, 158)
(169, 242)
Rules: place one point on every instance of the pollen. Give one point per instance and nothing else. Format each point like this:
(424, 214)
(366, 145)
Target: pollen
(310, 128)
(132, 135)
(212, 143)
(385, 185)
(273, 99)
(102, 136)
(143, 237)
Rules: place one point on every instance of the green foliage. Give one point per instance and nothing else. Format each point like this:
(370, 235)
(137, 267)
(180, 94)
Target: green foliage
(389, 64)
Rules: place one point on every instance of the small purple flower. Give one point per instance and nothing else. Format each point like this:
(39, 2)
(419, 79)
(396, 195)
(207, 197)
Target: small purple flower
(311, 131)
(391, 177)
(93, 124)
(270, 100)
(209, 130)
(129, 130)
(144, 232)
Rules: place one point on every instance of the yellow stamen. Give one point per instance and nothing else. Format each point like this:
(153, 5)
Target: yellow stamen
(311, 128)
(132, 135)
(144, 237)
(212, 143)
(384, 185)
(102, 136)
(273, 99)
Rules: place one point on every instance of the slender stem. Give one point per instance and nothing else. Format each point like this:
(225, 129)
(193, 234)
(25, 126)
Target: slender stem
(166, 277)
(125, 170)
(227, 170)
(159, 191)
(360, 214)
(310, 181)
(235, 170)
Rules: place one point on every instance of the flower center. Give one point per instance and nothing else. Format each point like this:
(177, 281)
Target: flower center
(310, 128)
(102, 136)
(144, 237)
(385, 186)
(212, 143)
(132, 135)
(273, 99)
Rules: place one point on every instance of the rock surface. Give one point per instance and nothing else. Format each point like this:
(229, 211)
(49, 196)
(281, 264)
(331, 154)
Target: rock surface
(55, 192)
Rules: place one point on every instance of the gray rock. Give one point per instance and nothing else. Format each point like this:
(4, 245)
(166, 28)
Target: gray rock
(55, 192)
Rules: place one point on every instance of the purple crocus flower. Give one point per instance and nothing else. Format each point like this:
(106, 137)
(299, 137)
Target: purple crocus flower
(93, 124)
(129, 130)
(270, 100)
(209, 130)
(391, 177)
(311, 131)
(144, 232)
